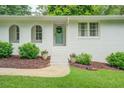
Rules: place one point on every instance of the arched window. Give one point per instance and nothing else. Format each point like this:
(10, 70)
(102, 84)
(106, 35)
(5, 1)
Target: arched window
(14, 34)
(36, 34)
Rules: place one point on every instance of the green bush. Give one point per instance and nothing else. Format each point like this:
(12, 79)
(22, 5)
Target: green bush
(84, 58)
(5, 49)
(116, 59)
(29, 51)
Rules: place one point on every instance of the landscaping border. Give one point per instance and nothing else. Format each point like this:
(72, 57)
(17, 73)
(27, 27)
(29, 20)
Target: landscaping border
(17, 62)
(93, 66)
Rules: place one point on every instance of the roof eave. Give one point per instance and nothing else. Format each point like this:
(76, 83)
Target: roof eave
(105, 17)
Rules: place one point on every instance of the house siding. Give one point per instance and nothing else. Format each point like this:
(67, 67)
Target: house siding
(111, 38)
(25, 34)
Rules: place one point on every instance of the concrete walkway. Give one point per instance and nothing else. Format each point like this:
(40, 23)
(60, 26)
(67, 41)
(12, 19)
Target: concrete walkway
(51, 71)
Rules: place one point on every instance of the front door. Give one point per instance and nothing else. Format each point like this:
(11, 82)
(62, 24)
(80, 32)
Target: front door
(59, 35)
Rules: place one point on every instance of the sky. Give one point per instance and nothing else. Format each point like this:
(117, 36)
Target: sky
(33, 8)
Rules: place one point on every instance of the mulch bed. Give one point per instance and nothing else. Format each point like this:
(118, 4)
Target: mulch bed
(94, 66)
(17, 62)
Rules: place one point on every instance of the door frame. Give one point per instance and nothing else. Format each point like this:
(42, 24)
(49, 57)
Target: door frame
(64, 37)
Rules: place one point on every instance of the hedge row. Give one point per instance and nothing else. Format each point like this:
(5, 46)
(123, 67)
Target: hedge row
(27, 50)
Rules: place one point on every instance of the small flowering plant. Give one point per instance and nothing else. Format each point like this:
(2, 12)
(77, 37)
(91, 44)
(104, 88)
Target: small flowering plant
(73, 57)
(44, 54)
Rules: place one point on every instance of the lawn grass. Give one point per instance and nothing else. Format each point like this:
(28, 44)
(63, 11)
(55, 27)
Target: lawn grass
(77, 78)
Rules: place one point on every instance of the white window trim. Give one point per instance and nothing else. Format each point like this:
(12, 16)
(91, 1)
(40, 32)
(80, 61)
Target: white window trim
(17, 41)
(88, 36)
(37, 41)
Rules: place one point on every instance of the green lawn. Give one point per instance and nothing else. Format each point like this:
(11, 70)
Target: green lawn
(77, 78)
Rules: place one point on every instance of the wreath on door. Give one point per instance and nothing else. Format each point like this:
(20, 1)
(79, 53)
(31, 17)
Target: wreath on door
(59, 29)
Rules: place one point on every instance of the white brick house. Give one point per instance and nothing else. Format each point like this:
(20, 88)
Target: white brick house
(62, 35)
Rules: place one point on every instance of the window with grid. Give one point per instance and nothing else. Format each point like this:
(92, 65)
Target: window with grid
(83, 30)
(14, 34)
(93, 29)
(88, 29)
(36, 33)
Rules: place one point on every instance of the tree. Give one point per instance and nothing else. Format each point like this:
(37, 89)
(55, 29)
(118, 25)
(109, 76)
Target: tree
(114, 9)
(42, 9)
(122, 10)
(74, 10)
(83, 9)
(15, 10)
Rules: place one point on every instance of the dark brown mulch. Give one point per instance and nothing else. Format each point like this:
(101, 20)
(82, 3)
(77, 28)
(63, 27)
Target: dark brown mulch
(16, 62)
(94, 66)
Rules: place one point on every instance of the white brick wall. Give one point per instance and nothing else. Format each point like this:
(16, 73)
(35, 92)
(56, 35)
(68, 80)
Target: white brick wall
(111, 38)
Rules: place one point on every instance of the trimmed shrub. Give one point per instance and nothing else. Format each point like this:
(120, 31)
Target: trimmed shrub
(84, 58)
(29, 51)
(116, 59)
(5, 49)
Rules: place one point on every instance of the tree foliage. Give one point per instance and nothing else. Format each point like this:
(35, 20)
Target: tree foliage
(63, 10)
(15, 10)
(42, 9)
(114, 9)
(83, 9)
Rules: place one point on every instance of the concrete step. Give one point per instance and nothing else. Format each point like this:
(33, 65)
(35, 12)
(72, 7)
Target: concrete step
(59, 60)
(59, 55)
(56, 62)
